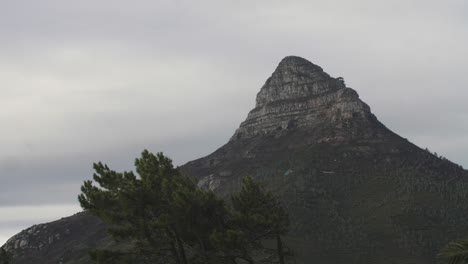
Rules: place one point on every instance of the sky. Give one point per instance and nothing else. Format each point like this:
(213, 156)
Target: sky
(86, 81)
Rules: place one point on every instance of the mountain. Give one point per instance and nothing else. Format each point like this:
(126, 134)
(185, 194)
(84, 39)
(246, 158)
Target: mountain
(356, 192)
(67, 240)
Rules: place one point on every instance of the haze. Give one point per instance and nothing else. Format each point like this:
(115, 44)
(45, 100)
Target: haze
(86, 81)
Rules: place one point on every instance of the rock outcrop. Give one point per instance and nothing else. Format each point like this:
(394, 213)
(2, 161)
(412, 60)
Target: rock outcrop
(355, 191)
(300, 94)
(67, 240)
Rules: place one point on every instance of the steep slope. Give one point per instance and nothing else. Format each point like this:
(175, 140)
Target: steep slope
(356, 192)
(67, 240)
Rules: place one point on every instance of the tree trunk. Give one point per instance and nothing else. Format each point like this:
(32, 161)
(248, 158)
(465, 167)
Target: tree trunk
(279, 247)
(203, 248)
(175, 254)
(248, 259)
(180, 245)
(173, 241)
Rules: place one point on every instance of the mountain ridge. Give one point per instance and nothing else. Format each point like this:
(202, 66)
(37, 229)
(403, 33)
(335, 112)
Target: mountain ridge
(295, 94)
(354, 189)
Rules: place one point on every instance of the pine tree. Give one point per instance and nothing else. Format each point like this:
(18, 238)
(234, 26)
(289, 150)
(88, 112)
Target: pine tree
(260, 216)
(159, 216)
(164, 216)
(233, 245)
(455, 252)
(136, 209)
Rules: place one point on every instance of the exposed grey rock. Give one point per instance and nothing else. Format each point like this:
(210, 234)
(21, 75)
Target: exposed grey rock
(355, 191)
(23, 243)
(210, 182)
(65, 240)
(300, 94)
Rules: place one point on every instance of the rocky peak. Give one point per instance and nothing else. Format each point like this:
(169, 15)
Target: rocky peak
(300, 94)
(296, 78)
(374, 199)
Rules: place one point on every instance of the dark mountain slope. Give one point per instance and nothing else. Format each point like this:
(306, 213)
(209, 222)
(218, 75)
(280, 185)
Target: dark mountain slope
(67, 240)
(356, 192)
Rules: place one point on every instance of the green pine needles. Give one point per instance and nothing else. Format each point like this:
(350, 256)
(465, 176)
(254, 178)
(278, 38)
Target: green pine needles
(156, 215)
(455, 252)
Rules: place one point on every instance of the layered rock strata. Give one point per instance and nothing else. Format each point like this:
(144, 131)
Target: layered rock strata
(299, 94)
(355, 191)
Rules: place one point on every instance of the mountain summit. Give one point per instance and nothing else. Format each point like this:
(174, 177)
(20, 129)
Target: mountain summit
(299, 94)
(355, 191)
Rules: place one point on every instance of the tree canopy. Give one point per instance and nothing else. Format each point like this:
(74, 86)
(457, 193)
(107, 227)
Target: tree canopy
(260, 215)
(163, 217)
(455, 252)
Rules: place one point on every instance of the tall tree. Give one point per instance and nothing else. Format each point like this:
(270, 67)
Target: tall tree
(165, 216)
(260, 216)
(136, 208)
(199, 213)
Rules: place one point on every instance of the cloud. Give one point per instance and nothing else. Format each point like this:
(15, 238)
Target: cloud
(85, 81)
(16, 218)
(14, 214)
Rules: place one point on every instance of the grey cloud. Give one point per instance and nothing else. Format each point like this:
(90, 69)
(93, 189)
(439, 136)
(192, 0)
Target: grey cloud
(52, 179)
(16, 218)
(90, 80)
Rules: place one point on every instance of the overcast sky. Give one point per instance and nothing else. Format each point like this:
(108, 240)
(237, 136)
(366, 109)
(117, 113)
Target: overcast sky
(84, 81)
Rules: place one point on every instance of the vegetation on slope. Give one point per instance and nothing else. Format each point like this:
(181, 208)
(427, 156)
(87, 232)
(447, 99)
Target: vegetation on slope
(164, 217)
(455, 252)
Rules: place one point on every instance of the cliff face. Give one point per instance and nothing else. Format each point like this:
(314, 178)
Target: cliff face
(355, 191)
(300, 94)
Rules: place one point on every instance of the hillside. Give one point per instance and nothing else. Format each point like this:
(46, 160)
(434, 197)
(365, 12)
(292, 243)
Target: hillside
(356, 192)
